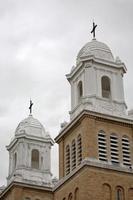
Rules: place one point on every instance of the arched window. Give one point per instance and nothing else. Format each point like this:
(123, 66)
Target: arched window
(130, 194)
(70, 197)
(119, 193)
(41, 162)
(126, 151)
(15, 160)
(35, 159)
(114, 150)
(76, 194)
(102, 146)
(106, 91)
(67, 163)
(79, 149)
(107, 191)
(80, 91)
(73, 154)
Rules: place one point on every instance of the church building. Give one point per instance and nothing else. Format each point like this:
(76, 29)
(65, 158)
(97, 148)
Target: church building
(95, 147)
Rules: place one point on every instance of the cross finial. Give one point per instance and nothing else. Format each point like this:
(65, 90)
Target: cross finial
(94, 29)
(30, 107)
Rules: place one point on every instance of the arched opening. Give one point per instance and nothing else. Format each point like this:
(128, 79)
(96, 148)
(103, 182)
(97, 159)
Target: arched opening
(126, 151)
(114, 148)
(41, 162)
(76, 194)
(79, 149)
(102, 146)
(67, 159)
(130, 194)
(35, 159)
(119, 193)
(107, 191)
(15, 160)
(70, 197)
(73, 154)
(80, 91)
(106, 90)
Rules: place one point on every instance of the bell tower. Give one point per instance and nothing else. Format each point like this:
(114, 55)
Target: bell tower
(97, 81)
(95, 147)
(30, 154)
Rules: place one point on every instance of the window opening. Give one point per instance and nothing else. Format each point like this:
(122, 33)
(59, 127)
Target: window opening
(114, 149)
(102, 148)
(80, 91)
(35, 159)
(79, 150)
(106, 92)
(126, 151)
(67, 159)
(73, 154)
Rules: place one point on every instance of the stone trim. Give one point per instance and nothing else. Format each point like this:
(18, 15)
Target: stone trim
(96, 164)
(10, 186)
(92, 58)
(125, 121)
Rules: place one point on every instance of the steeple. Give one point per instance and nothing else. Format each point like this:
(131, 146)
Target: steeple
(29, 154)
(97, 81)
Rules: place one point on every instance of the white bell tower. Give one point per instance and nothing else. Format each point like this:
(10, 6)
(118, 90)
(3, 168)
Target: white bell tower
(30, 154)
(97, 81)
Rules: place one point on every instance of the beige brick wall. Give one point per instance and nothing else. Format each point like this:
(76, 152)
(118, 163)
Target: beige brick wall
(89, 128)
(96, 184)
(21, 192)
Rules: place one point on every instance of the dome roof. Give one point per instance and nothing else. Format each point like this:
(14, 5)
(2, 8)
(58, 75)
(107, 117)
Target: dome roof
(97, 49)
(32, 127)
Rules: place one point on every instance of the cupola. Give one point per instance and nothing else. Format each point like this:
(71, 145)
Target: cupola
(97, 81)
(30, 154)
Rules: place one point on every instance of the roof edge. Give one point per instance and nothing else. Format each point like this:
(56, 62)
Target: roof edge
(93, 114)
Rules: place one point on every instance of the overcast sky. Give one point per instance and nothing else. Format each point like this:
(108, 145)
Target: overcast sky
(39, 41)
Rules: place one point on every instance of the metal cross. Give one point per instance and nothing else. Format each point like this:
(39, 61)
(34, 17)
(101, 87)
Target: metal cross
(93, 29)
(30, 108)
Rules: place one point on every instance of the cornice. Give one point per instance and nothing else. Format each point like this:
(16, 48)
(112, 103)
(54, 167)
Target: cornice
(93, 164)
(91, 60)
(18, 184)
(24, 136)
(125, 121)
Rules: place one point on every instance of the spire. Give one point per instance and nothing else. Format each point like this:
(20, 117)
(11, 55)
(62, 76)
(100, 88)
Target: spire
(94, 29)
(30, 107)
